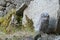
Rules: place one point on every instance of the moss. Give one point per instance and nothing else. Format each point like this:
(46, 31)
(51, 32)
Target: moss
(5, 27)
(29, 25)
(4, 21)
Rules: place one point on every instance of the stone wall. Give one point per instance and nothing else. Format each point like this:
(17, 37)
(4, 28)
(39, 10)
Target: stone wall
(36, 8)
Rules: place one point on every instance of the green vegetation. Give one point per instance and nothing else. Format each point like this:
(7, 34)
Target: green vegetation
(4, 21)
(7, 28)
(29, 25)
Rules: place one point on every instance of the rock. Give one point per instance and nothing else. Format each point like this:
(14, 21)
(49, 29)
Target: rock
(44, 22)
(44, 37)
(20, 10)
(20, 2)
(57, 38)
(27, 1)
(2, 3)
(10, 7)
(1, 13)
(10, 1)
(49, 37)
(27, 38)
(8, 4)
(36, 8)
(58, 24)
(2, 8)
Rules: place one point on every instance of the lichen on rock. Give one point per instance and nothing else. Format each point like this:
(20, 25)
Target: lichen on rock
(29, 24)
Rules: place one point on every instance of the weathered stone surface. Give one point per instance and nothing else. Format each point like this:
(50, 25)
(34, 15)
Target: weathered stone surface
(7, 5)
(1, 13)
(44, 22)
(58, 17)
(20, 10)
(2, 8)
(2, 3)
(19, 2)
(27, 38)
(49, 37)
(36, 8)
